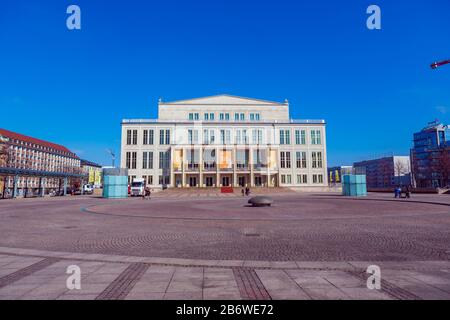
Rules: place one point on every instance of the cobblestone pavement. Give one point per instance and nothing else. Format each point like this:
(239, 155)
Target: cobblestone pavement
(28, 274)
(306, 246)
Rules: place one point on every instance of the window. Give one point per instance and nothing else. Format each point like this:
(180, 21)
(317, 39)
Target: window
(134, 137)
(257, 117)
(254, 117)
(128, 137)
(148, 137)
(317, 178)
(316, 159)
(242, 117)
(164, 159)
(147, 160)
(225, 137)
(164, 136)
(196, 116)
(128, 160)
(300, 137)
(316, 137)
(286, 179)
(285, 136)
(302, 179)
(285, 160)
(133, 160)
(301, 159)
(227, 117)
(191, 116)
(236, 117)
(211, 116)
(257, 136)
(192, 136)
(206, 116)
(150, 180)
(221, 116)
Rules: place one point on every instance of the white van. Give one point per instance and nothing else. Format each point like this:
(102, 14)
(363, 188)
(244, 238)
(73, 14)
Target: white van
(137, 187)
(88, 189)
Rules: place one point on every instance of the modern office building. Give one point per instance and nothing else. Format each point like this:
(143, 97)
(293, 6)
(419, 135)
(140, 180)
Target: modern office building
(386, 172)
(225, 141)
(430, 156)
(29, 165)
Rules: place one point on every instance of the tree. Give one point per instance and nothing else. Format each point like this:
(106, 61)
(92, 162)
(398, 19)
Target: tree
(400, 169)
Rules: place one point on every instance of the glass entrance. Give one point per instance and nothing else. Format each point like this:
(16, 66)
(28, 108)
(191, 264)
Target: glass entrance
(258, 181)
(192, 181)
(209, 181)
(225, 181)
(241, 181)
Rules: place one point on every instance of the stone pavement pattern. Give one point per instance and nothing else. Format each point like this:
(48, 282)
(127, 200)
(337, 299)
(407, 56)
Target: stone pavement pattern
(210, 246)
(24, 276)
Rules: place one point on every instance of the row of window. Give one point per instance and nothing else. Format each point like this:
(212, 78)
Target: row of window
(241, 136)
(210, 116)
(301, 161)
(147, 160)
(285, 179)
(302, 179)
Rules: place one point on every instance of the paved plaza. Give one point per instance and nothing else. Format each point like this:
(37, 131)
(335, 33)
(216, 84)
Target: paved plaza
(207, 245)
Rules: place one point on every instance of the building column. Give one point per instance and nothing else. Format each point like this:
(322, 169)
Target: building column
(172, 173)
(200, 164)
(234, 182)
(41, 186)
(65, 186)
(268, 168)
(16, 178)
(217, 168)
(252, 174)
(183, 174)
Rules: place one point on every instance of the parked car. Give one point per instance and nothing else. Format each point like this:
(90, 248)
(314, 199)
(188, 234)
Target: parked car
(88, 189)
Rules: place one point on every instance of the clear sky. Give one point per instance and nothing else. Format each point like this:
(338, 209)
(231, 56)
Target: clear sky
(374, 88)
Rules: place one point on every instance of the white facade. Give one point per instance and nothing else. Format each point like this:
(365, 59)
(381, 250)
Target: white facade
(225, 141)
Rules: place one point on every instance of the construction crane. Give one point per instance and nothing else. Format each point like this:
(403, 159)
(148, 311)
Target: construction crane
(439, 64)
(113, 156)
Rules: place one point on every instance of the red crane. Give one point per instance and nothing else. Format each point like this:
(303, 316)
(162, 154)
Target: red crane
(438, 64)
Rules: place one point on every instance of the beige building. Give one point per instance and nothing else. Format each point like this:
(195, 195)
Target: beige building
(225, 141)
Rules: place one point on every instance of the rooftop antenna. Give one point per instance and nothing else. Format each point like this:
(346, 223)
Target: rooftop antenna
(113, 156)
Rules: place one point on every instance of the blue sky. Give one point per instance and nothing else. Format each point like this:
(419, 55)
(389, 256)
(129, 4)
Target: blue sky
(374, 88)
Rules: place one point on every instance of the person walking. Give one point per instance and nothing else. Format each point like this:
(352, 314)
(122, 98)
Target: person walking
(408, 191)
(247, 191)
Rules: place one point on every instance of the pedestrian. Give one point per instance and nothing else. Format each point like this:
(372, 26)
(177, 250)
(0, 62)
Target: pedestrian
(397, 192)
(408, 191)
(243, 192)
(147, 193)
(247, 191)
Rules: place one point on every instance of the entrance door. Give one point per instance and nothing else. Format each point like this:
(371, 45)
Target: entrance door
(258, 181)
(242, 181)
(209, 181)
(225, 181)
(192, 181)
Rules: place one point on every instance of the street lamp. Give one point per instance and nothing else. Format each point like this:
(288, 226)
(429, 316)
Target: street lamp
(439, 64)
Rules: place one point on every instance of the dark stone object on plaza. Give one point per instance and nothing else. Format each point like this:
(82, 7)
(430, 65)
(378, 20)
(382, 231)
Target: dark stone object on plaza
(260, 201)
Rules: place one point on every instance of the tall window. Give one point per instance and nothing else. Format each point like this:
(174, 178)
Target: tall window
(222, 116)
(285, 159)
(192, 136)
(211, 116)
(164, 136)
(316, 159)
(225, 136)
(147, 137)
(257, 136)
(128, 160)
(236, 117)
(147, 160)
(135, 137)
(316, 137)
(128, 137)
(206, 116)
(301, 159)
(300, 137)
(164, 159)
(191, 116)
(285, 136)
(133, 160)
